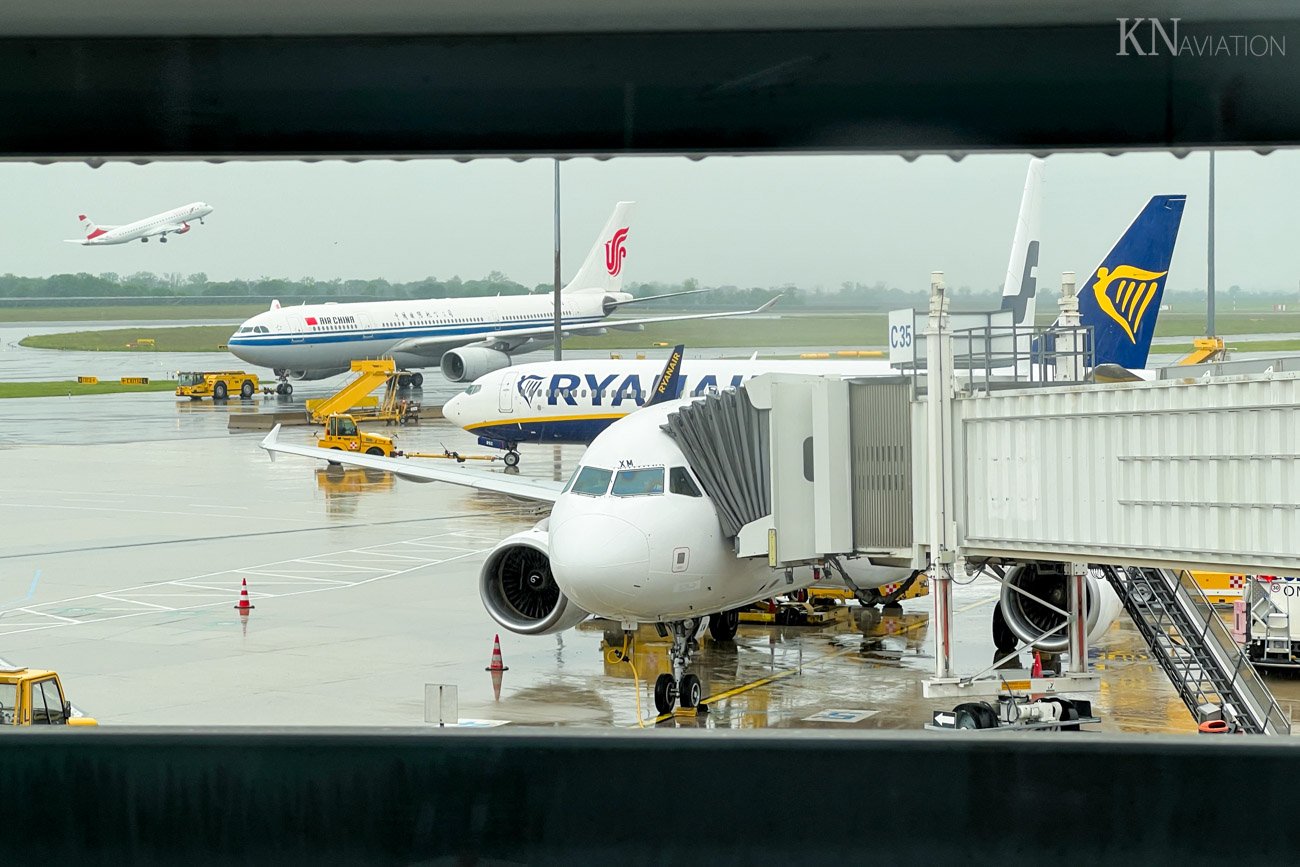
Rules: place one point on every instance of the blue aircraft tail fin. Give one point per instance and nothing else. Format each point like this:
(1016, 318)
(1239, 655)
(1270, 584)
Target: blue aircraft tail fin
(668, 384)
(1121, 299)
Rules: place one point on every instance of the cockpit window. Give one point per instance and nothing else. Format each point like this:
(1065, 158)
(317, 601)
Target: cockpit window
(591, 481)
(680, 482)
(247, 329)
(639, 483)
(474, 389)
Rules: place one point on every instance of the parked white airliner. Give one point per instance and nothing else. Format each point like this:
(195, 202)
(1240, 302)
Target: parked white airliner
(466, 337)
(631, 537)
(573, 401)
(174, 222)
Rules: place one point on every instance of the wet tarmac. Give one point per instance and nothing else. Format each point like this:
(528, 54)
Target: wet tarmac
(131, 521)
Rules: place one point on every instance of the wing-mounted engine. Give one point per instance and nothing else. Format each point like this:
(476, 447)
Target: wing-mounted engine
(519, 590)
(468, 363)
(1023, 616)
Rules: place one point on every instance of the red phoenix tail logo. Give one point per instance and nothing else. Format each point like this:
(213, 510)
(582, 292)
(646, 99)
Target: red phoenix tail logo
(615, 250)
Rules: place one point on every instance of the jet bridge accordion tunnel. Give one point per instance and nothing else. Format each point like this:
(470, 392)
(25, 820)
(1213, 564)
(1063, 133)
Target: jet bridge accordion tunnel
(826, 492)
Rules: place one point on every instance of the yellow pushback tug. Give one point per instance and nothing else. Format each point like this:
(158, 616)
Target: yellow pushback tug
(216, 384)
(34, 696)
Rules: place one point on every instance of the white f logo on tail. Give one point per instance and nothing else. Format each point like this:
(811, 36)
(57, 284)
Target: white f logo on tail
(615, 250)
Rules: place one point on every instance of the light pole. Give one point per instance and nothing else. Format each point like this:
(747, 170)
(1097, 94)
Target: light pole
(558, 352)
(1209, 260)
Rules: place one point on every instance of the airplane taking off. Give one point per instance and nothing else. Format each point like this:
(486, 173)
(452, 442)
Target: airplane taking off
(174, 222)
(465, 337)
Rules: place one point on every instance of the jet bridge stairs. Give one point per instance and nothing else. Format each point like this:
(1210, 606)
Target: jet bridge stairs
(1195, 648)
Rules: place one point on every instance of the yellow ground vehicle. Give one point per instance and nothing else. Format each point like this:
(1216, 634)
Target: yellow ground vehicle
(218, 384)
(342, 433)
(35, 697)
(355, 398)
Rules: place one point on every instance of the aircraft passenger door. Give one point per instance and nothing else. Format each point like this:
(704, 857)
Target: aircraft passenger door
(506, 401)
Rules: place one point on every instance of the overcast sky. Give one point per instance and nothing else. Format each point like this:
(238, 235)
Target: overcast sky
(755, 221)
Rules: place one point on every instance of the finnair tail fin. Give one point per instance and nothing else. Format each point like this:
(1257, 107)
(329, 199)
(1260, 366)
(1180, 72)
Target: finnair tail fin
(602, 270)
(1121, 300)
(1021, 283)
(668, 385)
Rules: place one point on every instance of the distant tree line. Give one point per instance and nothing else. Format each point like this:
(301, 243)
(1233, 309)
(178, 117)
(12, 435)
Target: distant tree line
(197, 288)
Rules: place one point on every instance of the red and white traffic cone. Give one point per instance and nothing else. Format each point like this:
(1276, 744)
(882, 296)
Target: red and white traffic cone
(496, 664)
(1037, 669)
(244, 604)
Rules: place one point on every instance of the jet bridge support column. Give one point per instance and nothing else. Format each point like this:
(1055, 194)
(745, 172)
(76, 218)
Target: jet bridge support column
(938, 346)
(1078, 625)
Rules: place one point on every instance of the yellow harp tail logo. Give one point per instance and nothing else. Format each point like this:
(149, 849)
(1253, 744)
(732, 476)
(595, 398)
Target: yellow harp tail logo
(1125, 293)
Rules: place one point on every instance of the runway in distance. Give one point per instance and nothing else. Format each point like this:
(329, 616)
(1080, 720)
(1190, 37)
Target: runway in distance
(465, 337)
(174, 222)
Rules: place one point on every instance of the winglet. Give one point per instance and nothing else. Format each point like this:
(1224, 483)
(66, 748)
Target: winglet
(270, 441)
(768, 304)
(668, 385)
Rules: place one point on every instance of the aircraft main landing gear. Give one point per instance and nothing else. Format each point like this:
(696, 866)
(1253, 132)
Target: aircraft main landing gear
(162, 239)
(680, 687)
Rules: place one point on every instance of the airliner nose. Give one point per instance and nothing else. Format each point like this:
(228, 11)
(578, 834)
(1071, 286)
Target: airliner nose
(454, 409)
(602, 561)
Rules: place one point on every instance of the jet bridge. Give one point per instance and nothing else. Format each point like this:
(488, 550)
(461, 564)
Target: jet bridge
(1195, 473)
(1132, 479)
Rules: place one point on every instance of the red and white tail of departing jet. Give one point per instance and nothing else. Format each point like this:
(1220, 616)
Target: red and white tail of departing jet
(174, 222)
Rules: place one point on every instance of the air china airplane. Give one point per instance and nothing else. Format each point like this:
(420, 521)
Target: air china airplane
(466, 337)
(174, 222)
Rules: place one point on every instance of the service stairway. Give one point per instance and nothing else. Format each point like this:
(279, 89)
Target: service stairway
(1195, 649)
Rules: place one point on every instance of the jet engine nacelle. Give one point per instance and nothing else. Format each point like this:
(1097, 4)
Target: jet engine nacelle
(519, 590)
(1028, 618)
(470, 362)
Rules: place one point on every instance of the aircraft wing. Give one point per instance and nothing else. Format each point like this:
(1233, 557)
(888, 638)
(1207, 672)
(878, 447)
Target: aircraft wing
(163, 230)
(424, 470)
(508, 341)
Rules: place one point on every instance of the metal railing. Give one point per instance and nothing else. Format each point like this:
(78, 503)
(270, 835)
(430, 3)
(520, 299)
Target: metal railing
(992, 357)
(1195, 648)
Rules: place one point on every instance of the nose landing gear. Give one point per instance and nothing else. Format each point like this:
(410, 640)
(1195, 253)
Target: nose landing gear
(680, 687)
(284, 387)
